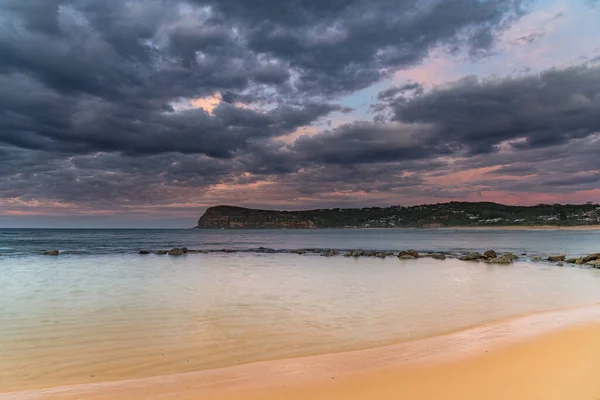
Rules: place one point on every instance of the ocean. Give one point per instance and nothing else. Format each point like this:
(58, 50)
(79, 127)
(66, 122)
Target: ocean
(107, 313)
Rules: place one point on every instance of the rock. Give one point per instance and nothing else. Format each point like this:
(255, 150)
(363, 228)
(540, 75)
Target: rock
(471, 256)
(591, 257)
(579, 261)
(560, 264)
(330, 253)
(536, 258)
(299, 252)
(406, 257)
(413, 253)
(356, 253)
(176, 252)
(381, 254)
(490, 254)
(184, 249)
(390, 253)
(438, 256)
(205, 251)
(50, 253)
(263, 250)
(594, 264)
(144, 252)
(504, 259)
(571, 260)
(511, 256)
(557, 258)
(161, 252)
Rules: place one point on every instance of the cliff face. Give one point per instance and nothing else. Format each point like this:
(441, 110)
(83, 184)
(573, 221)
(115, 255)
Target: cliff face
(424, 216)
(244, 218)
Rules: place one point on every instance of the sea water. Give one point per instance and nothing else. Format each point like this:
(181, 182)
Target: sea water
(108, 313)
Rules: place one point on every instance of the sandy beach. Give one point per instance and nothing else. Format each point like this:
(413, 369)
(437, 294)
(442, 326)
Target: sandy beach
(551, 355)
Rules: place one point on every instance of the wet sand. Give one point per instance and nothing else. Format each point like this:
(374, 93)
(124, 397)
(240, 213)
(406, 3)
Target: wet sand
(552, 355)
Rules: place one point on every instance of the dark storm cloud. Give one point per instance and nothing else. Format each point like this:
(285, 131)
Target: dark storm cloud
(89, 86)
(537, 110)
(340, 46)
(365, 142)
(107, 180)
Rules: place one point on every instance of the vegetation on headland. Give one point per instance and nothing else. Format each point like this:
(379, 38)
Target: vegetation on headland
(453, 214)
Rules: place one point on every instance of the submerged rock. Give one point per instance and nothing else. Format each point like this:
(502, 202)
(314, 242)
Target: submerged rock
(176, 252)
(406, 257)
(490, 254)
(536, 258)
(144, 252)
(560, 264)
(560, 257)
(50, 253)
(473, 256)
(413, 253)
(161, 252)
(205, 251)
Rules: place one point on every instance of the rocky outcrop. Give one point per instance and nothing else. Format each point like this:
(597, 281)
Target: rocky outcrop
(503, 259)
(330, 253)
(176, 252)
(226, 217)
(594, 263)
(473, 256)
(412, 253)
(423, 216)
(488, 255)
(354, 253)
(50, 253)
(558, 258)
(591, 257)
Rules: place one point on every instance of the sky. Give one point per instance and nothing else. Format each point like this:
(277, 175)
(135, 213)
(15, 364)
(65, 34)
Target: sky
(143, 113)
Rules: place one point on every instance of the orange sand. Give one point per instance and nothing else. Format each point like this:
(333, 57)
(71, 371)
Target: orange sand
(548, 356)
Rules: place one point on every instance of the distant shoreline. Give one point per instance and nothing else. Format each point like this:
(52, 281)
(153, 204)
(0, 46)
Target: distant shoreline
(532, 227)
(466, 227)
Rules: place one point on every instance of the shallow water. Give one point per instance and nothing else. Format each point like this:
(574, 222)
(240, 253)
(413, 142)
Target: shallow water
(72, 319)
(27, 242)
